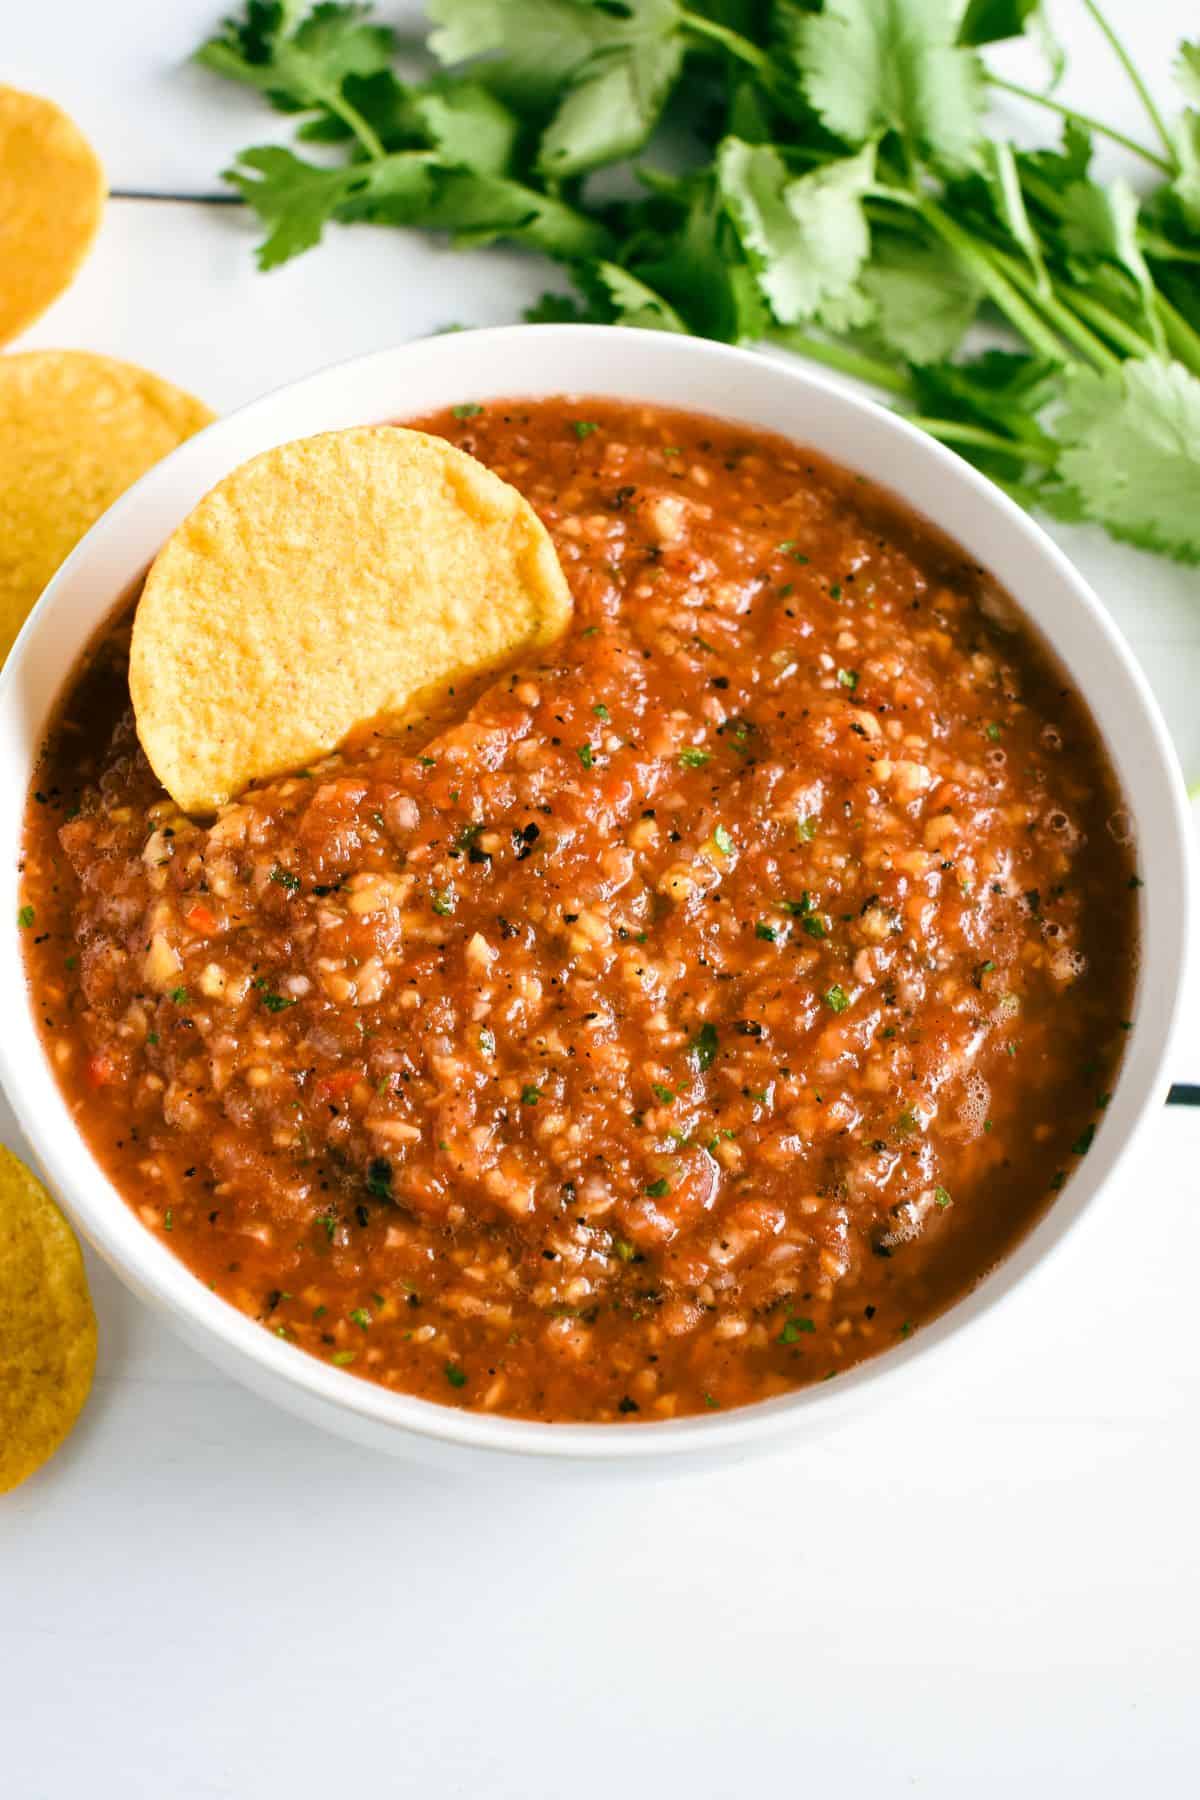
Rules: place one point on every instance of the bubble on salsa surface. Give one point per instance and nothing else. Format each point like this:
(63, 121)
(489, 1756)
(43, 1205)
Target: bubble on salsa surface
(52, 192)
(47, 1326)
(321, 585)
(76, 430)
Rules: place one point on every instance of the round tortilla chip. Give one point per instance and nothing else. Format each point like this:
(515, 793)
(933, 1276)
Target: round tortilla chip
(320, 585)
(47, 1326)
(75, 431)
(52, 192)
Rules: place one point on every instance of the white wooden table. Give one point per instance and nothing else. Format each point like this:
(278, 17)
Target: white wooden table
(992, 1590)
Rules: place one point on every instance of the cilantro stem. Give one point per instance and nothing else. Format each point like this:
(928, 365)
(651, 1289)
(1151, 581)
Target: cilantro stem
(1084, 119)
(973, 257)
(1163, 250)
(952, 432)
(1117, 331)
(350, 115)
(1183, 339)
(848, 362)
(733, 41)
(1059, 314)
(1143, 92)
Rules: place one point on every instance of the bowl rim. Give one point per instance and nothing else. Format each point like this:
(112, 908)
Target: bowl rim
(144, 1263)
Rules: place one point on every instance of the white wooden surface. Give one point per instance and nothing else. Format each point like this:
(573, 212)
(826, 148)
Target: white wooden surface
(993, 1589)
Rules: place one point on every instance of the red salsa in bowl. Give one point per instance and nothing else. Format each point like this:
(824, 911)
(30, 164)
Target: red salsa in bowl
(673, 1021)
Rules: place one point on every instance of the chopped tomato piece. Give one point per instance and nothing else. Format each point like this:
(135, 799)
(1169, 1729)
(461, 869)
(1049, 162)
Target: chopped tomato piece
(200, 918)
(336, 1086)
(100, 1070)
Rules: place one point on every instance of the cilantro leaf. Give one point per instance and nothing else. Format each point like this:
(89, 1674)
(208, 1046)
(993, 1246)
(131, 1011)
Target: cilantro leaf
(298, 66)
(806, 237)
(1131, 449)
(529, 53)
(1186, 69)
(479, 209)
(878, 65)
(294, 198)
(922, 298)
(628, 301)
(989, 21)
(560, 309)
(615, 97)
(469, 126)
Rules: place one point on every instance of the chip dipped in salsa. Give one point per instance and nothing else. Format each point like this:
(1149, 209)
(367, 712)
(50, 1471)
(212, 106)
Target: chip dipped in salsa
(669, 1021)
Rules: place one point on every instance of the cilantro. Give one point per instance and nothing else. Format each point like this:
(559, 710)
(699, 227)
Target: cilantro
(922, 299)
(272, 1001)
(722, 840)
(692, 758)
(795, 1328)
(703, 1047)
(805, 236)
(25, 917)
(530, 1095)
(601, 711)
(871, 66)
(806, 830)
(1083, 1142)
(842, 195)
(847, 678)
(455, 1376)
(343, 1358)
(443, 902)
(285, 879)
(941, 1198)
(178, 995)
(586, 755)
(1131, 453)
(658, 1188)
(624, 1250)
(360, 1317)
(469, 409)
(816, 926)
(663, 1094)
(836, 998)
(169, 1220)
(767, 932)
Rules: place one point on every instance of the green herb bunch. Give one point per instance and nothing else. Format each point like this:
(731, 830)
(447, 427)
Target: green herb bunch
(821, 178)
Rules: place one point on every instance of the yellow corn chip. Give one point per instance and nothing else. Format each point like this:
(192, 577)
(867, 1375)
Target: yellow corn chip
(47, 1326)
(321, 585)
(75, 431)
(51, 198)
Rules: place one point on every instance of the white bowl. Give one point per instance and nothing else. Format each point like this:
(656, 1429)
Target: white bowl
(672, 371)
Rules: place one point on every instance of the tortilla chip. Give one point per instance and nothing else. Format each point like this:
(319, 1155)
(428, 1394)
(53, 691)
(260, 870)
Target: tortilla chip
(47, 1326)
(75, 431)
(51, 197)
(323, 584)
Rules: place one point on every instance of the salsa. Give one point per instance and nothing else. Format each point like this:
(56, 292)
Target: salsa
(668, 1023)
